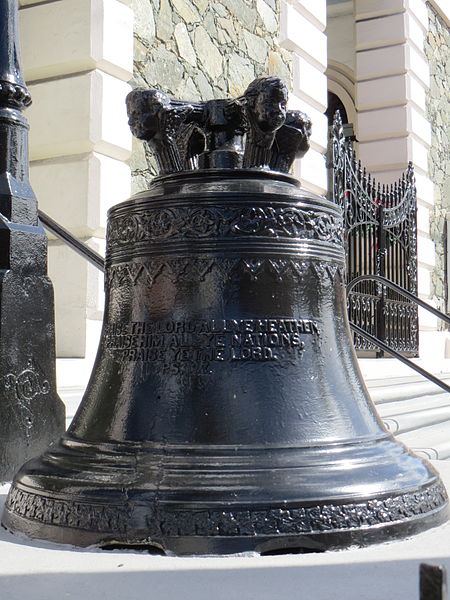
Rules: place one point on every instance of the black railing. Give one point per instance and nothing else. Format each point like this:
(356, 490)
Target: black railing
(374, 340)
(381, 239)
(83, 249)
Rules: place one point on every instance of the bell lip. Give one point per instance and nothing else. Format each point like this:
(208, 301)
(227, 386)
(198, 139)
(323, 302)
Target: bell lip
(337, 536)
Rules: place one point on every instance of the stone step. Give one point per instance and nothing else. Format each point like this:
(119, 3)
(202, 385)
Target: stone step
(404, 388)
(431, 442)
(71, 396)
(374, 369)
(73, 372)
(402, 421)
(408, 405)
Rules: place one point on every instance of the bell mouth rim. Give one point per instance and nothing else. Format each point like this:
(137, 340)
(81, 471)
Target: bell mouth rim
(220, 530)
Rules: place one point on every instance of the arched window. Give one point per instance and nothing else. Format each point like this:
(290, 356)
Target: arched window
(334, 104)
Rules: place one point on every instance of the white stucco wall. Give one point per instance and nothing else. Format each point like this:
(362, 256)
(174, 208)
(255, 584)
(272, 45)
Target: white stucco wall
(340, 34)
(77, 58)
(302, 27)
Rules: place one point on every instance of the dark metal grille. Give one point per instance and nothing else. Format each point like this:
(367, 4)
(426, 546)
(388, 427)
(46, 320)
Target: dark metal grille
(381, 239)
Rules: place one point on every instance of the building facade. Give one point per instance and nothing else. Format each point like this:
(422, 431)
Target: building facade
(387, 62)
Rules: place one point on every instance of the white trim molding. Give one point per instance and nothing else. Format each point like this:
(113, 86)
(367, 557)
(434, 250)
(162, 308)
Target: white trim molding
(341, 82)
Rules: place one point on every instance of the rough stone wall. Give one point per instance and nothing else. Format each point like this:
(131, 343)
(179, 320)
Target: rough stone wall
(200, 50)
(437, 49)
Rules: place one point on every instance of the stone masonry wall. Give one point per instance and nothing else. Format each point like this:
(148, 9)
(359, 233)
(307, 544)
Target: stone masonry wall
(200, 50)
(437, 49)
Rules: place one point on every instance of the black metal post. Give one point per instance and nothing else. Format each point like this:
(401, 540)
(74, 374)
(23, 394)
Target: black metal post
(31, 414)
(381, 270)
(432, 582)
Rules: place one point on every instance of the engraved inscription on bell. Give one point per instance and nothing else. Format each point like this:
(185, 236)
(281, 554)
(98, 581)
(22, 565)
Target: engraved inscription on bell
(171, 342)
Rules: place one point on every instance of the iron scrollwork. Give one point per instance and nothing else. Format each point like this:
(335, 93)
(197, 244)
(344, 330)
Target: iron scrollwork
(381, 239)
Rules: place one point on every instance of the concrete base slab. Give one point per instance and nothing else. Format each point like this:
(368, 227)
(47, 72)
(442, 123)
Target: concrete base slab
(390, 571)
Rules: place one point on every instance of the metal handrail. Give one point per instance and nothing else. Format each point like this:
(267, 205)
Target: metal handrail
(83, 249)
(403, 359)
(374, 340)
(397, 288)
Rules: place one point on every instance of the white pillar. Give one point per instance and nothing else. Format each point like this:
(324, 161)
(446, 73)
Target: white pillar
(341, 54)
(302, 26)
(392, 79)
(78, 56)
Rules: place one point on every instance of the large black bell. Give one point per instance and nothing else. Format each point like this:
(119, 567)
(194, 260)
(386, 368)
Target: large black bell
(226, 412)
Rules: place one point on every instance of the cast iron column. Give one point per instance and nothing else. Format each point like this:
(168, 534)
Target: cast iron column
(31, 413)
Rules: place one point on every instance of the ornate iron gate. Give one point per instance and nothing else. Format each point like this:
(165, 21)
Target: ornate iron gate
(381, 239)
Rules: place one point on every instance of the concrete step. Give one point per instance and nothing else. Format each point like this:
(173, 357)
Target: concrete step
(431, 410)
(408, 405)
(416, 408)
(72, 376)
(391, 368)
(416, 411)
(73, 372)
(71, 396)
(432, 442)
(404, 388)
